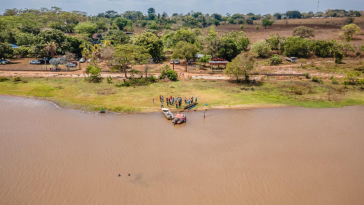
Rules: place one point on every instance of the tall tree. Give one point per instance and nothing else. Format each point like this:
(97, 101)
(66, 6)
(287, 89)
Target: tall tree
(267, 22)
(240, 66)
(128, 54)
(152, 44)
(51, 48)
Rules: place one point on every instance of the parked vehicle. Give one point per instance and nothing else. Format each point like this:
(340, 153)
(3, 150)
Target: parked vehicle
(89, 60)
(168, 114)
(72, 64)
(55, 69)
(3, 62)
(37, 62)
(291, 59)
(175, 61)
(82, 60)
(179, 119)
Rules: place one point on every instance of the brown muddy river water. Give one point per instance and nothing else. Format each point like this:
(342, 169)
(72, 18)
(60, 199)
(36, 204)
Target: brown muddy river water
(52, 156)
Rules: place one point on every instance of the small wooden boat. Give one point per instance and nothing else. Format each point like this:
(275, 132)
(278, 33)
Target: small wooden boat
(167, 113)
(179, 119)
(190, 106)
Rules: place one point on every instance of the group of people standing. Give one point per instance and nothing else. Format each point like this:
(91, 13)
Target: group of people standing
(171, 101)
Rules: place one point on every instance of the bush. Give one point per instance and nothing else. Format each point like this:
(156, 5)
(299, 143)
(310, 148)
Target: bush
(17, 79)
(94, 74)
(352, 78)
(3, 79)
(275, 60)
(349, 31)
(339, 56)
(276, 42)
(304, 32)
(261, 48)
(334, 80)
(167, 72)
(124, 84)
(307, 75)
(242, 27)
(322, 48)
(316, 79)
(296, 46)
(152, 78)
(257, 28)
(109, 79)
(172, 75)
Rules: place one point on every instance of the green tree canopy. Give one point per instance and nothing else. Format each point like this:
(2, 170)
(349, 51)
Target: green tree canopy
(240, 66)
(122, 22)
(185, 50)
(304, 32)
(267, 22)
(228, 48)
(6, 51)
(129, 54)
(116, 37)
(262, 49)
(297, 46)
(152, 44)
(87, 28)
(350, 31)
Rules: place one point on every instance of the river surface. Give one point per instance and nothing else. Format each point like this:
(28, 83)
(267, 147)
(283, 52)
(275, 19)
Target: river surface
(53, 156)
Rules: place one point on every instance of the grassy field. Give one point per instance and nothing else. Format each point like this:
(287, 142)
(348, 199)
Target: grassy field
(77, 93)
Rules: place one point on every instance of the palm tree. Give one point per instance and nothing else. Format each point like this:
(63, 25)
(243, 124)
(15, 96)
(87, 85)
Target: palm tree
(86, 50)
(51, 48)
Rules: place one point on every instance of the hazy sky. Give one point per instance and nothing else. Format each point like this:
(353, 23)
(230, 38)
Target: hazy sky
(184, 6)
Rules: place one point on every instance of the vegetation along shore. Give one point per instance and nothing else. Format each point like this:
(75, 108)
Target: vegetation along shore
(121, 61)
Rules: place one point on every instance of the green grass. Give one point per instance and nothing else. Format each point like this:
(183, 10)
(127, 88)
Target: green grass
(77, 93)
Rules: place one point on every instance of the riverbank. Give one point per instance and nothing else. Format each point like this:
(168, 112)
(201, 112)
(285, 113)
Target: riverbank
(212, 94)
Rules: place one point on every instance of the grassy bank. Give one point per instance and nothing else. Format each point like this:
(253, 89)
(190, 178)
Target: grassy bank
(77, 93)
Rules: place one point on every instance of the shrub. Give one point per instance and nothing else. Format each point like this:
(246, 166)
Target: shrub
(94, 74)
(334, 81)
(109, 79)
(339, 56)
(172, 75)
(257, 28)
(352, 78)
(307, 75)
(304, 32)
(316, 79)
(349, 20)
(152, 78)
(3, 79)
(242, 27)
(124, 84)
(322, 48)
(261, 48)
(296, 46)
(167, 72)
(249, 21)
(17, 79)
(275, 60)
(349, 31)
(276, 42)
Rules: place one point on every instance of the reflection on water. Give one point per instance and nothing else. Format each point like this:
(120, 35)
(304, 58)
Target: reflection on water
(262, 156)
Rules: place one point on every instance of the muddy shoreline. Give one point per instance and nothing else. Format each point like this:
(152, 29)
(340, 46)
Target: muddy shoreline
(63, 105)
